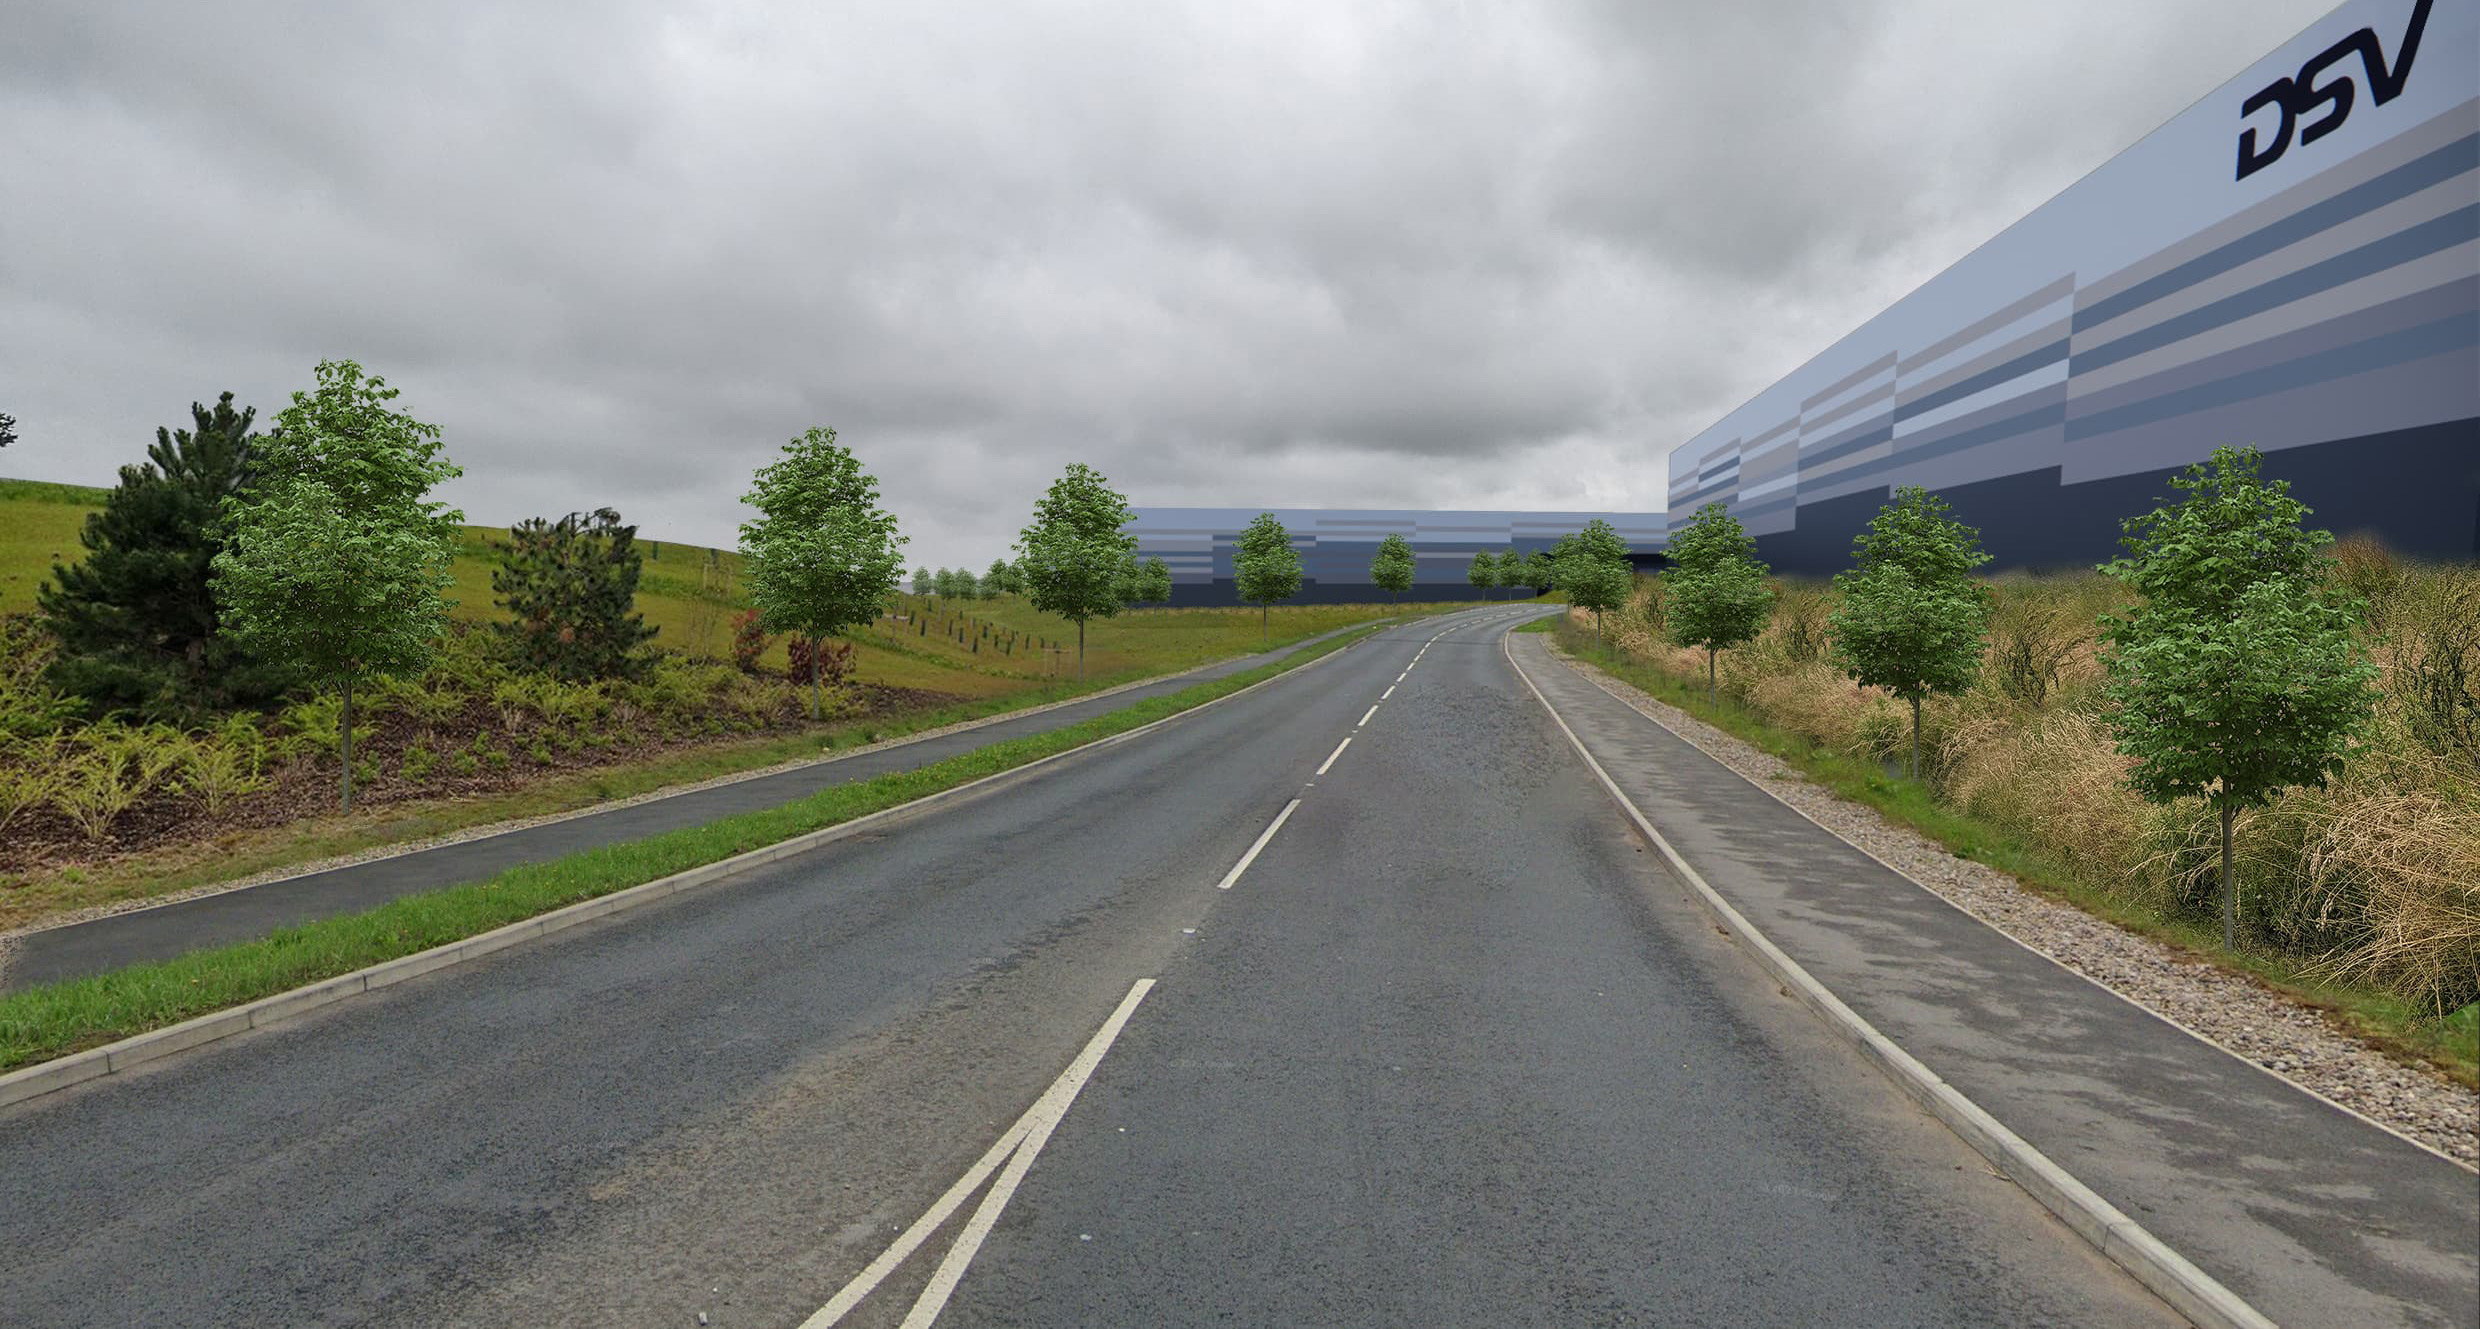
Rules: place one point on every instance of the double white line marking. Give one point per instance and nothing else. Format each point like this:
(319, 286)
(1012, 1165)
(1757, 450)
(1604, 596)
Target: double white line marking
(1017, 1149)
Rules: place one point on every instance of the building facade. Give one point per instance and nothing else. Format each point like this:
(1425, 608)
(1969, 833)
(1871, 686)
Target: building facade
(2293, 263)
(1337, 545)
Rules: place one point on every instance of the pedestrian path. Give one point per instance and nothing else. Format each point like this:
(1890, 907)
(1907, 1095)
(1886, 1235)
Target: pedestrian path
(2312, 1214)
(164, 931)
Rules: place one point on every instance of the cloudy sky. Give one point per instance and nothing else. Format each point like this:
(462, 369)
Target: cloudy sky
(1306, 254)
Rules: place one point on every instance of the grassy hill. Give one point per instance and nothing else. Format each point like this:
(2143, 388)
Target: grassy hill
(690, 593)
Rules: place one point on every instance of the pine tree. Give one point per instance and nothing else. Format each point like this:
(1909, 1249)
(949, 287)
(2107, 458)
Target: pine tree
(570, 589)
(137, 619)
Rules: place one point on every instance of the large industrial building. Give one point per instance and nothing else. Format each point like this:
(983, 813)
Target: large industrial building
(2293, 263)
(1336, 546)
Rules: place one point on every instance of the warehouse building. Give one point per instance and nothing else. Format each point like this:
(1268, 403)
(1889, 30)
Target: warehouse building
(1336, 547)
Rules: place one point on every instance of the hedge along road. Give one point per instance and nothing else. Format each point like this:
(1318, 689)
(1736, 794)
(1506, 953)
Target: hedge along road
(1448, 1049)
(161, 932)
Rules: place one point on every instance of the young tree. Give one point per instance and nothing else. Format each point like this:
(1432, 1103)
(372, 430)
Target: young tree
(8, 429)
(336, 560)
(2235, 676)
(1157, 580)
(822, 557)
(1482, 572)
(1144, 583)
(1539, 573)
(995, 581)
(922, 583)
(1714, 593)
(1511, 571)
(1394, 566)
(1593, 568)
(1071, 554)
(570, 589)
(1911, 619)
(137, 618)
(1267, 567)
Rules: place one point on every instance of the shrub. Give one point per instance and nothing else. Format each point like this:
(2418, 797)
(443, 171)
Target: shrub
(834, 659)
(226, 763)
(749, 640)
(114, 767)
(570, 588)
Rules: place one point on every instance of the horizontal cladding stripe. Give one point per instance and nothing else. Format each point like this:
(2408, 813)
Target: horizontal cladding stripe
(1811, 449)
(2456, 158)
(2047, 295)
(1989, 378)
(1882, 393)
(1728, 461)
(1851, 380)
(1784, 503)
(1980, 403)
(2460, 226)
(1861, 441)
(1700, 495)
(1775, 434)
(2049, 413)
(2458, 297)
(2016, 339)
(2438, 337)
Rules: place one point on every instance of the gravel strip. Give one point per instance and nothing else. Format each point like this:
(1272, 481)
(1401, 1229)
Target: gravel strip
(397, 848)
(2298, 1043)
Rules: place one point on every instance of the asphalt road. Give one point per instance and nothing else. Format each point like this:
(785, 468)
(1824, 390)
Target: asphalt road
(1451, 1050)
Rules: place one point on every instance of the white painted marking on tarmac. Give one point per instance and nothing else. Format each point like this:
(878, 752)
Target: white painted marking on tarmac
(1400, 677)
(1365, 717)
(1330, 757)
(1390, 691)
(1042, 1117)
(1259, 847)
(1046, 1116)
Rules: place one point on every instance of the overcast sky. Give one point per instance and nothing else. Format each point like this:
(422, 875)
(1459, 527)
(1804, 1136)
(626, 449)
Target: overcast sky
(1235, 254)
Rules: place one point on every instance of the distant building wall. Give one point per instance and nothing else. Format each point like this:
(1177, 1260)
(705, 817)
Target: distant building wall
(1336, 546)
(2282, 266)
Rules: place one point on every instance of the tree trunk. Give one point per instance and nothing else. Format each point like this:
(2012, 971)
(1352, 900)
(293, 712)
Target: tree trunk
(1080, 650)
(1915, 738)
(817, 704)
(2230, 888)
(344, 740)
(1265, 624)
(1713, 689)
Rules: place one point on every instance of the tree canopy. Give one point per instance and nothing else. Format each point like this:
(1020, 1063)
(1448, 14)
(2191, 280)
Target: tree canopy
(1265, 564)
(1714, 593)
(1072, 553)
(1393, 567)
(1911, 619)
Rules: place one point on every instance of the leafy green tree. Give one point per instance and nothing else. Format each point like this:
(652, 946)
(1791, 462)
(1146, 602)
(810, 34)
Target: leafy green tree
(1511, 570)
(822, 556)
(137, 618)
(1714, 595)
(570, 589)
(1144, 583)
(1072, 553)
(8, 429)
(2236, 675)
(1911, 619)
(1482, 572)
(922, 582)
(336, 560)
(995, 581)
(1592, 567)
(1539, 574)
(1394, 566)
(1267, 568)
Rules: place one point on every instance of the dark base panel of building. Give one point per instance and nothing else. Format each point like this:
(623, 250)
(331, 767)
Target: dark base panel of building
(1223, 594)
(2417, 490)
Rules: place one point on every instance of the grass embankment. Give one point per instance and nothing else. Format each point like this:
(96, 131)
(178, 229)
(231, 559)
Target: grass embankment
(2400, 1024)
(41, 1023)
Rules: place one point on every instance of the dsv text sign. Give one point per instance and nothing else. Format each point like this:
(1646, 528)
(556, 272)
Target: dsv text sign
(2302, 96)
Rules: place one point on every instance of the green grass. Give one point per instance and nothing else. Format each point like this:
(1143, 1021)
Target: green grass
(2401, 1027)
(56, 1019)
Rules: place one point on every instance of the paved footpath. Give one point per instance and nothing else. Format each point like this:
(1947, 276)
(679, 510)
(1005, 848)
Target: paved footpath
(2314, 1215)
(164, 931)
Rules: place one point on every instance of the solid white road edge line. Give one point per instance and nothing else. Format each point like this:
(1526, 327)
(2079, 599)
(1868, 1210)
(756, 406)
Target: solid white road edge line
(1047, 1115)
(1330, 757)
(1373, 710)
(1053, 1104)
(2189, 1290)
(1259, 847)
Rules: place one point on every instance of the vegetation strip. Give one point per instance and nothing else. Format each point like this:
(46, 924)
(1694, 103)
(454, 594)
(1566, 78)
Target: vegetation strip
(2388, 1020)
(43, 1023)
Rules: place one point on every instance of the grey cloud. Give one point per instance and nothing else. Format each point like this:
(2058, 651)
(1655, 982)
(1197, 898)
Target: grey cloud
(1306, 254)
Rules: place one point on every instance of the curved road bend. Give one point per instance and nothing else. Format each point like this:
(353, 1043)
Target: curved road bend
(1451, 1050)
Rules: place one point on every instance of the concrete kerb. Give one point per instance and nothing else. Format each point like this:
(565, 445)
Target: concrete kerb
(1602, 681)
(111, 1059)
(2120, 1239)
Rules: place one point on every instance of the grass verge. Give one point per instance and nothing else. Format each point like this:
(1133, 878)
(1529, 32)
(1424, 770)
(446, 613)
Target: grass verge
(56, 1019)
(2400, 1027)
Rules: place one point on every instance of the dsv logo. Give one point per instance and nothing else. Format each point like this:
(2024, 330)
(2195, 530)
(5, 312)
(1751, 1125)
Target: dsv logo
(2300, 95)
